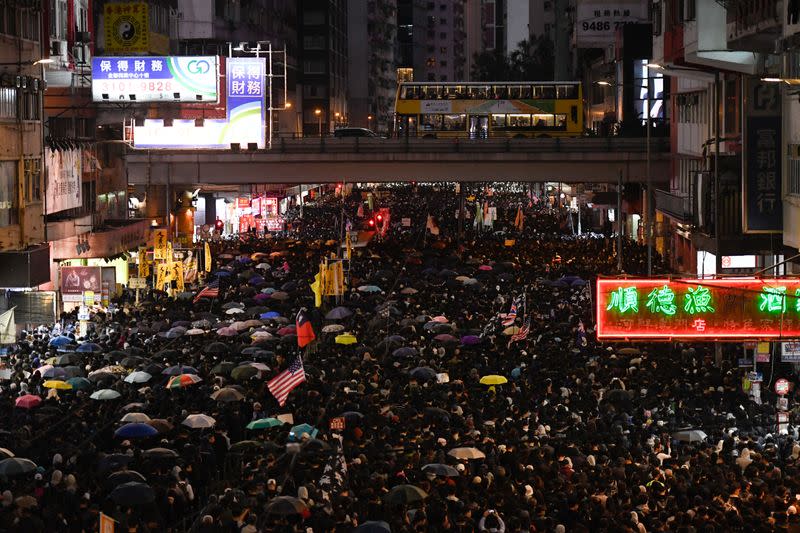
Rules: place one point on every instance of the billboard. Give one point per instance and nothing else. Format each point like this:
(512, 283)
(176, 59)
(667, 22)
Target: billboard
(761, 159)
(718, 309)
(64, 171)
(126, 27)
(598, 20)
(77, 280)
(245, 89)
(154, 79)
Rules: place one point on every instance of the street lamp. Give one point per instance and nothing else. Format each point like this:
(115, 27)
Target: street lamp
(369, 122)
(43, 61)
(318, 113)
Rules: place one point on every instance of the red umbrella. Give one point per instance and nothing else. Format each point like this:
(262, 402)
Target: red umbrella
(183, 380)
(287, 330)
(28, 401)
(485, 267)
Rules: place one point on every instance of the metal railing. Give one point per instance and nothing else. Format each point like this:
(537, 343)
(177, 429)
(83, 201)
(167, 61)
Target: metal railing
(419, 145)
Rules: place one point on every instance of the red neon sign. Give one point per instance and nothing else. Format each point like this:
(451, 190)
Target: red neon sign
(721, 309)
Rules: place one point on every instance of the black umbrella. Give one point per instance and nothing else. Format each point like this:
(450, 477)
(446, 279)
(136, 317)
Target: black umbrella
(373, 526)
(423, 373)
(16, 466)
(338, 313)
(216, 348)
(124, 476)
(440, 469)
(133, 493)
(286, 505)
(404, 494)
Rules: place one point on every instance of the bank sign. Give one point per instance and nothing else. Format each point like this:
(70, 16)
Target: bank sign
(245, 89)
(154, 79)
(720, 309)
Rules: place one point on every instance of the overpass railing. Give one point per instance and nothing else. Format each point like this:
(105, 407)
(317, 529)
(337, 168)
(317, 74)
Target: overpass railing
(449, 146)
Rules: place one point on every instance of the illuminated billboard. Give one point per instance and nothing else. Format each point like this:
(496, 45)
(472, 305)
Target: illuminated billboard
(245, 91)
(154, 79)
(722, 309)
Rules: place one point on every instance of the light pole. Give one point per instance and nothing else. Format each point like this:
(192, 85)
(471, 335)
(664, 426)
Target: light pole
(318, 113)
(369, 122)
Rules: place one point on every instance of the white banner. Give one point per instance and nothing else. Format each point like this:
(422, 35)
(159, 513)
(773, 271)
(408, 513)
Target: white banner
(64, 170)
(598, 20)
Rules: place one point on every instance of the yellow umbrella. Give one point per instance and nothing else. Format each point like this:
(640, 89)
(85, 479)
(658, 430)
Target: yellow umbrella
(57, 384)
(511, 330)
(346, 338)
(493, 380)
(51, 360)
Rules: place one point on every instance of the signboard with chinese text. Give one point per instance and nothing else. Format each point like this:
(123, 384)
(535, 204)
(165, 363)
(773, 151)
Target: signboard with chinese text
(160, 244)
(154, 79)
(719, 309)
(245, 90)
(598, 20)
(761, 173)
(127, 27)
(64, 171)
(790, 352)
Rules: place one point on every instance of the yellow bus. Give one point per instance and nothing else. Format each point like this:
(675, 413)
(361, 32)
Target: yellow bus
(478, 110)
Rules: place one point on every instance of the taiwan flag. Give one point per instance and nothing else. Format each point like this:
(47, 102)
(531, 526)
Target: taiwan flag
(305, 332)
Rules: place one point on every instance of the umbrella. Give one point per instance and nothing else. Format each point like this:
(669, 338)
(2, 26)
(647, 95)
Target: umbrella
(227, 394)
(469, 340)
(132, 493)
(79, 383)
(466, 453)
(286, 505)
(184, 380)
(409, 291)
(346, 338)
(333, 328)
(160, 453)
(27, 401)
(493, 380)
(137, 377)
(223, 369)
(174, 333)
(441, 470)
(244, 372)
(15, 466)
(233, 305)
(373, 526)
(352, 417)
(406, 351)
(252, 323)
(195, 331)
(56, 384)
(136, 430)
(89, 347)
(690, 435)
(297, 431)
(6, 453)
(124, 476)
(135, 417)
(201, 324)
(369, 288)
(280, 295)
(440, 319)
(131, 361)
(445, 338)
(234, 311)
(269, 315)
(105, 394)
(216, 348)
(287, 330)
(264, 423)
(60, 341)
(199, 421)
(227, 332)
(424, 373)
(338, 313)
(405, 494)
(629, 351)
(178, 370)
(42, 370)
(163, 426)
(68, 359)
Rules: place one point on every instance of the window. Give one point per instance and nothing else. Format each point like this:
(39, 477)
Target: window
(498, 121)
(567, 91)
(314, 42)
(443, 35)
(8, 18)
(443, 63)
(431, 122)
(431, 76)
(442, 7)
(313, 18)
(443, 77)
(9, 182)
(455, 123)
(442, 49)
(314, 66)
(8, 102)
(656, 18)
(519, 121)
(32, 182)
(548, 6)
(794, 176)
(431, 49)
(30, 106)
(431, 6)
(442, 21)
(29, 24)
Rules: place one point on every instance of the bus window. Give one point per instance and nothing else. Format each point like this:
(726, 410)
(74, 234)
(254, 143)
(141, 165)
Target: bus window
(431, 92)
(541, 122)
(519, 121)
(548, 92)
(498, 122)
(527, 93)
(561, 122)
(430, 122)
(515, 92)
(455, 123)
(403, 91)
(567, 92)
(500, 91)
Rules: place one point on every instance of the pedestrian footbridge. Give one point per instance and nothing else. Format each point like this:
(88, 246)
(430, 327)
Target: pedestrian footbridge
(584, 160)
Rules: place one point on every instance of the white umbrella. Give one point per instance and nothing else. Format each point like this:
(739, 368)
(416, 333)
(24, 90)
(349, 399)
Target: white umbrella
(135, 417)
(138, 377)
(234, 311)
(690, 435)
(199, 422)
(333, 328)
(466, 453)
(105, 394)
(195, 331)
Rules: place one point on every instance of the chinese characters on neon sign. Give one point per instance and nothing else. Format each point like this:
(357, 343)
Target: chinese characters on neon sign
(691, 308)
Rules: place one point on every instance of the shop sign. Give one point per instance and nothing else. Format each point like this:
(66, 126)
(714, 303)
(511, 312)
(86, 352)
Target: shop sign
(137, 283)
(782, 387)
(64, 172)
(126, 27)
(598, 20)
(790, 352)
(154, 79)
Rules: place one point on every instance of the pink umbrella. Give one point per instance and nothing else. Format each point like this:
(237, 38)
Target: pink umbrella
(227, 332)
(28, 401)
(44, 368)
(287, 330)
(441, 319)
(484, 267)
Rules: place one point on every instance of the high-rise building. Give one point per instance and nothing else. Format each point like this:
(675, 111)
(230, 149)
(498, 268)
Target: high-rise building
(24, 258)
(372, 78)
(432, 39)
(323, 61)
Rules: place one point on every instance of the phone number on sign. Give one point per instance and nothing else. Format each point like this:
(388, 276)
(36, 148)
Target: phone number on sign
(127, 87)
(603, 25)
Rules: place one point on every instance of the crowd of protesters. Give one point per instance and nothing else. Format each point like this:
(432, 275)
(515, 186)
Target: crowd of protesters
(578, 436)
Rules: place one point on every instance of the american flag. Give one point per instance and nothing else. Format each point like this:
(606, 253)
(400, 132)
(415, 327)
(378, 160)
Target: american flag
(281, 385)
(522, 334)
(512, 314)
(209, 291)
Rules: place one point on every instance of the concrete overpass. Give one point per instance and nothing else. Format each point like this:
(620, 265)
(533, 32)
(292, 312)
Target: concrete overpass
(324, 160)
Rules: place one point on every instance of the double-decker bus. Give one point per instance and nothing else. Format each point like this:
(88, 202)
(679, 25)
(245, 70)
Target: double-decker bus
(478, 110)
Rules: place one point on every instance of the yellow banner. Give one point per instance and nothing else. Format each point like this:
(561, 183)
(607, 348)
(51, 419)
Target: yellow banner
(316, 287)
(144, 265)
(163, 275)
(334, 279)
(106, 524)
(159, 242)
(177, 275)
(127, 27)
(348, 246)
(208, 257)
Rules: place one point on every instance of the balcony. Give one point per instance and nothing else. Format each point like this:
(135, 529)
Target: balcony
(754, 25)
(675, 205)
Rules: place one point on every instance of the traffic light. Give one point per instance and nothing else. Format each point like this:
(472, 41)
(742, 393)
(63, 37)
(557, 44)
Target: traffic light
(371, 222)
(379, 218)
(219, 225)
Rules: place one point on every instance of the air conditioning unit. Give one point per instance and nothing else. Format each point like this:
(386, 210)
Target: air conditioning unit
(81, 54)
(58, 50)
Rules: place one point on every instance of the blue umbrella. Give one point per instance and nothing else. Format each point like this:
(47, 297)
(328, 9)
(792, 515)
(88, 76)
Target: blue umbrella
(369, 288)
(578, 283)
(405, 351)
(222, 273)
(60, 341)
(297, 431)
(89, 347)
(136, 430)
(256, 280)
(338, 313)
(270, 314)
